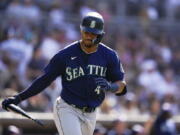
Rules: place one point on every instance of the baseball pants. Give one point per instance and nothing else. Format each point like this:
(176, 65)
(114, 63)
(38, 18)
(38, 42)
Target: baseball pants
(72, 121)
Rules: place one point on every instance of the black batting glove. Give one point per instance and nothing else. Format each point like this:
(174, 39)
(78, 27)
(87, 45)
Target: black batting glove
(11, 100)
(105, 85)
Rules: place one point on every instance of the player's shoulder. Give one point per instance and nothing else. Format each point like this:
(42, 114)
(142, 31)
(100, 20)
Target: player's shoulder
(63, 54)
(107, 49)
(69, 48)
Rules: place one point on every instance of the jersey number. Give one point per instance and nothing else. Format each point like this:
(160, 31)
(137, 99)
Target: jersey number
(97, 90)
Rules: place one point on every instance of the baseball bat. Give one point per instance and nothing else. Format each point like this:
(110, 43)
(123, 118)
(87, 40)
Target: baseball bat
(17, 109)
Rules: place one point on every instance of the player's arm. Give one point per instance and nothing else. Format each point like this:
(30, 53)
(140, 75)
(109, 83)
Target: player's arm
(36, 87)
(121, 88)
(115, 74)
(118, 87)
(50, 74)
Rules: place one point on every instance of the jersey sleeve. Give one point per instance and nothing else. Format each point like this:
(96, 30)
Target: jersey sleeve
(52, 70)
(55, 66)
(115, 71)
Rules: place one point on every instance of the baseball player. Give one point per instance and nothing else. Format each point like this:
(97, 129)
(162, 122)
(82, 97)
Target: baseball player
(88, 69)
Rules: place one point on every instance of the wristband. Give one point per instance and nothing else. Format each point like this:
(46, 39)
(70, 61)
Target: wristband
(113, 87)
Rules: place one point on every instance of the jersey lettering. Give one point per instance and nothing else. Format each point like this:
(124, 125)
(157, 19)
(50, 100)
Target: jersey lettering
(69, 74)
(97, 70)
(103, 71)
(73, 73)
(81, 72)
(90, 69)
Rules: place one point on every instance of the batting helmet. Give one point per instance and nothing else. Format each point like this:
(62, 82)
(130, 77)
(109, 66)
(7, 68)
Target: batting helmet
(93, 22)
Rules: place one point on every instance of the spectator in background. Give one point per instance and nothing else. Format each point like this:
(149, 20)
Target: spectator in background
(84, 9)
(175, 63)
(37, 103)
(133, 7)
(137, 129)
(12, 130)
(163, 49)
(172, 8)
(129, 108)
(4, 4)
(164, 124)
(17, 51)
(50, 44)
(32, 12)
(151, 79)
(35, 66)
(99, 130)
(120, 127)
(153, 111)
(57, 15)
(4, 74)
(15, 10)
(171, 87)
(173, 101)
(24, 12)
(52, 93)
(109, 105)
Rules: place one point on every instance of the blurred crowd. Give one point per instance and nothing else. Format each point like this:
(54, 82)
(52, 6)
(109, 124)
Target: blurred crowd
(145, 33)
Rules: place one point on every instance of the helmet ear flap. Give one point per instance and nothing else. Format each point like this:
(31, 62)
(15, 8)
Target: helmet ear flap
(98, 39)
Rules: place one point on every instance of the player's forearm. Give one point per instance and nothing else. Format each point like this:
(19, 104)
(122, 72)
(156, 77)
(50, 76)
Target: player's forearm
(121, 85)
(37, 86)
(119, 88)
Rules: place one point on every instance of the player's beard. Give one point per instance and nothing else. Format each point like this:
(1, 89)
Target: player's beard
(88, 44)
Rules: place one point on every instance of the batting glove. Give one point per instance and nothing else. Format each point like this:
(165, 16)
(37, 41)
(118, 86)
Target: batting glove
(11, 100)
(105, 85)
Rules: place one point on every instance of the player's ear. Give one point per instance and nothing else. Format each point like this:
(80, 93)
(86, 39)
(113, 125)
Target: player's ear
(98, 39)
(81, 31)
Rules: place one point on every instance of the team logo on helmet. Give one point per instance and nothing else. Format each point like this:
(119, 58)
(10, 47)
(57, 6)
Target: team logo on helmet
(93, 24)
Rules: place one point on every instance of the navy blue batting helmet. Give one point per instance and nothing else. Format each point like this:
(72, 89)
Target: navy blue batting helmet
(93, 22)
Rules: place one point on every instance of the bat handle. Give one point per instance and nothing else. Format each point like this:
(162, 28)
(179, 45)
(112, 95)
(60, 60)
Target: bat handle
(38, 122)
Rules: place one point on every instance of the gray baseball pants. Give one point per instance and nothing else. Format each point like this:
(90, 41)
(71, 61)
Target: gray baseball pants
(72, 121)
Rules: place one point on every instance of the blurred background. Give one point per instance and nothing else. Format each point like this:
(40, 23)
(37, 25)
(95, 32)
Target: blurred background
(146, 35)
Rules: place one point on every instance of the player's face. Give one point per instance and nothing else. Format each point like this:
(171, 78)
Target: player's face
(87, 38)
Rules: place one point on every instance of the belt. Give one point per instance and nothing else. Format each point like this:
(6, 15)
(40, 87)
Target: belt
(85, 108)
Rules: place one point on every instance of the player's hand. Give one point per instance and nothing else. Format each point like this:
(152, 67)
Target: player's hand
(11, 100)
(106, 86)
(103, 83)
